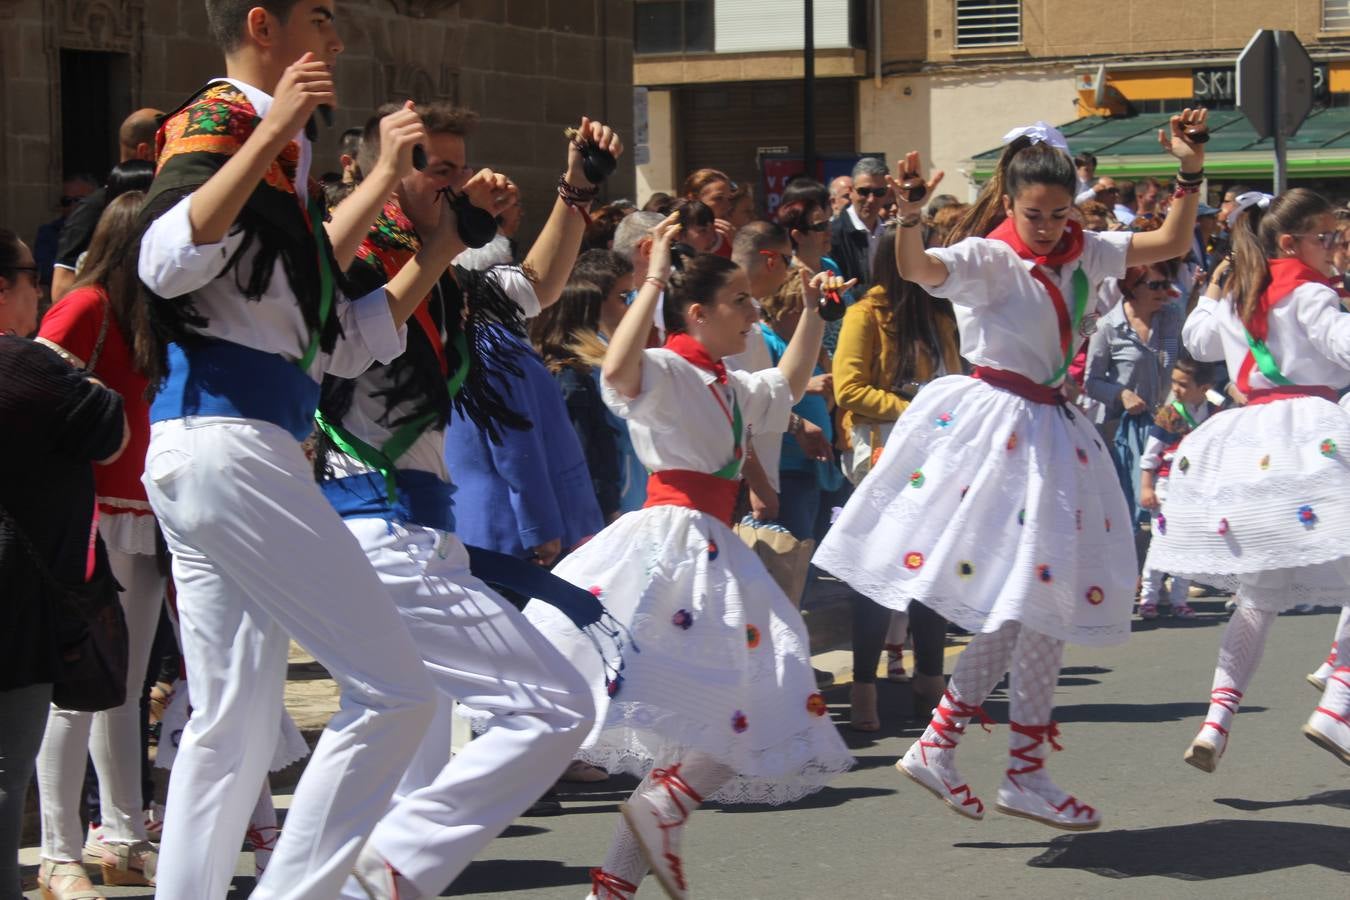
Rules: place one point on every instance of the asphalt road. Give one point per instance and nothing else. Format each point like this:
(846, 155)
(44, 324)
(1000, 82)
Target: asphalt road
(1274, 820)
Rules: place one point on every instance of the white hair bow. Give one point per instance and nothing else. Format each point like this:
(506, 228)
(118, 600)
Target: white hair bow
(1244, 202)
(1040, 133)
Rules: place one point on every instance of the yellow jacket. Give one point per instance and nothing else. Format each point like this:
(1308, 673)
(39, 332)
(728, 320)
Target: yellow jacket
(866, 358)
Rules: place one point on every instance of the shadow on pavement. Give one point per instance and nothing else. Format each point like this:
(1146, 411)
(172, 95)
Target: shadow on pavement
(1337, 799)
(1121, 712)
(1219, 848)
(502, 876)
(826, 799)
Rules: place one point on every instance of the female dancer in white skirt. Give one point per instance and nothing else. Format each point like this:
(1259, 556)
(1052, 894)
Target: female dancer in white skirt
(993, 502)
(716, 699)
(1260, 496)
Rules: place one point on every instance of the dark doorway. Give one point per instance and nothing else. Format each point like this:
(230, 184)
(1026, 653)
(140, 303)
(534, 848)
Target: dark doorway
(95, 98)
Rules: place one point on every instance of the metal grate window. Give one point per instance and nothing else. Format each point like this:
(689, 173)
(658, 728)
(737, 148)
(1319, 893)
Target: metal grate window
(1336, 15)
(672, 26)
(990, 23)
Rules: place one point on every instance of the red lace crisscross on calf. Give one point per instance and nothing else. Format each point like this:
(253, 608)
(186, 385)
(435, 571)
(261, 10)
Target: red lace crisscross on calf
(1229, 699)
(262, 838)
(675, 785)
(1340, 674)
(948, 729)
(1039, 734)
(610, 887)
(1331, 657)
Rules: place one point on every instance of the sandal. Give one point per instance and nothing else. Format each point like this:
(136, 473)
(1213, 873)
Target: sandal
(51, 871)
(129, 865)
(1148, 611)
(1183, 611)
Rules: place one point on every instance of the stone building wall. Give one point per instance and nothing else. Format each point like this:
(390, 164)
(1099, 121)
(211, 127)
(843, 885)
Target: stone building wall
(530, 67)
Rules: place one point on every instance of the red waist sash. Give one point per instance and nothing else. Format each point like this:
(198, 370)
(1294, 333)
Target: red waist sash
(1021, 385)
(693, 490)
(1289, 392)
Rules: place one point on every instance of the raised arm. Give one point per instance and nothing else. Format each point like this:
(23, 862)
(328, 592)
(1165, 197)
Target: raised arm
(1174, 238)
(555, 250)
(406, 290)
(799, 359)
(351, 221)
(216, 205)
(915, 264)
(623, 361)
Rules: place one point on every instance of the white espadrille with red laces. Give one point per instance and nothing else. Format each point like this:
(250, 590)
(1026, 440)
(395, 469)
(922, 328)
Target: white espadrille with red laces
(1028, 791)
(607, 886)
(1329, 725)
(1209, 744)
(380, 880)
(658, 823)
(1318, 679)
(931, 760)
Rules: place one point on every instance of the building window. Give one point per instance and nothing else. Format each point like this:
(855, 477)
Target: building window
(673, 26)
(1336, 15)
(992, 23)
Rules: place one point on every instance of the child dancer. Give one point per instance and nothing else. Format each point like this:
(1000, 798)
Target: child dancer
(1257, 500)
(994, 503)
(383, 460)
(244, 281)
(1191, 381)
(717, 700)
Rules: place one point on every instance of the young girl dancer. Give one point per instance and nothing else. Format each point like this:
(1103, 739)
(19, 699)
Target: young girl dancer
(717, 700)
(1257, 499)
(993, 503)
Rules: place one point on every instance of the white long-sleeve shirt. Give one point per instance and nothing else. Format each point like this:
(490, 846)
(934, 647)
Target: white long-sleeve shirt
(172, 265)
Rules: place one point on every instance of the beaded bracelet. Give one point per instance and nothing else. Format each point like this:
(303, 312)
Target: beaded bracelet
(1184, 189)
(910, 220)
(577, 198)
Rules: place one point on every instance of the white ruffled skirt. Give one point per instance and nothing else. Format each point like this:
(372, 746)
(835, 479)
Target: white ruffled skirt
(716, 660)
(989, 509)
(1259, 503)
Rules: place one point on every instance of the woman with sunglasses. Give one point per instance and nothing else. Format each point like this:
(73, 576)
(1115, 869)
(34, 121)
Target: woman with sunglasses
(1129, 361)
(1259, 500)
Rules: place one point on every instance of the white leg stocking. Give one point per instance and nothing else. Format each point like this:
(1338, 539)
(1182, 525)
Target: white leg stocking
(1244, 640)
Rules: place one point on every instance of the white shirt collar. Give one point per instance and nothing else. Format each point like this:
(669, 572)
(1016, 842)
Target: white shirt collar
(858, 222)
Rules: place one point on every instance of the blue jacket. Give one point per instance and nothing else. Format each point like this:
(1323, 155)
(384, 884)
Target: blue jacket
(534, 486)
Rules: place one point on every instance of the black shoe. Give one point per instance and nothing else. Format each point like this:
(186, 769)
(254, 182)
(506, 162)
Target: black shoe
(823, 679)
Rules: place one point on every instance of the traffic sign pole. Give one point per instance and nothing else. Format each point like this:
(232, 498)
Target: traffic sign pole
(1279, 74)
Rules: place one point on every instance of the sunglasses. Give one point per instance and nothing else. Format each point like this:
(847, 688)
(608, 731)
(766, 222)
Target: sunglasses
(871, 192)
(1328, 239)
(1158, 285)
(823, 225)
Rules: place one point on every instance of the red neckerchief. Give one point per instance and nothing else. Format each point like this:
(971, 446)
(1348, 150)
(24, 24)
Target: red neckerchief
(694, 353)
(1285, 276)
(1069, 248)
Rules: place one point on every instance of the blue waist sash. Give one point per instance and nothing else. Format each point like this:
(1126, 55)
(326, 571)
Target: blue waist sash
(422, 498)
(212, 377)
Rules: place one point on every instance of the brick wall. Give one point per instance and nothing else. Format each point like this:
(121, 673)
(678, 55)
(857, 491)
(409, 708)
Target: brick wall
(530, 67)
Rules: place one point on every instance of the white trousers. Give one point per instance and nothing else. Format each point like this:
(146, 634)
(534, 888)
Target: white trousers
(260, 556)
(112, 737)
(481, 652)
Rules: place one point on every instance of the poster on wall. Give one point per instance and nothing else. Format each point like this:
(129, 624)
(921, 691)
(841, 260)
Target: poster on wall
(777, 169)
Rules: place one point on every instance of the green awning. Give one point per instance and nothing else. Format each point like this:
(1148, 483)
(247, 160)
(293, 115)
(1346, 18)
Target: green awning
(1129, 146)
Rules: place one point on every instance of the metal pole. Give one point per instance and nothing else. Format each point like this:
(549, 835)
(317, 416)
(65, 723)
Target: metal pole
(1280, 76)
(809, 90)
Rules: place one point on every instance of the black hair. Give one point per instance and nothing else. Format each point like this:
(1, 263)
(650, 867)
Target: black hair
(11, 253)
(911, 313)
(1024, 163)
(694, 212)
(697, 279)
(227, 19)
(603, 268)
(805, 190)
(132, 175)
(1200, 372)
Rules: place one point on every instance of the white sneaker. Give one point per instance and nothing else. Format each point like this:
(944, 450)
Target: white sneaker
(931, 767)
(1208, 746)
(1330, 732)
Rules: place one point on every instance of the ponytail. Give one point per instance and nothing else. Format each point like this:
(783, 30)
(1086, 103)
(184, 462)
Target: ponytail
(1024, 162)
(1256, 241)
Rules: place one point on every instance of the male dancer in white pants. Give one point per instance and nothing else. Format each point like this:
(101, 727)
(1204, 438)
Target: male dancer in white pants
(247, 295)
(382, 458)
